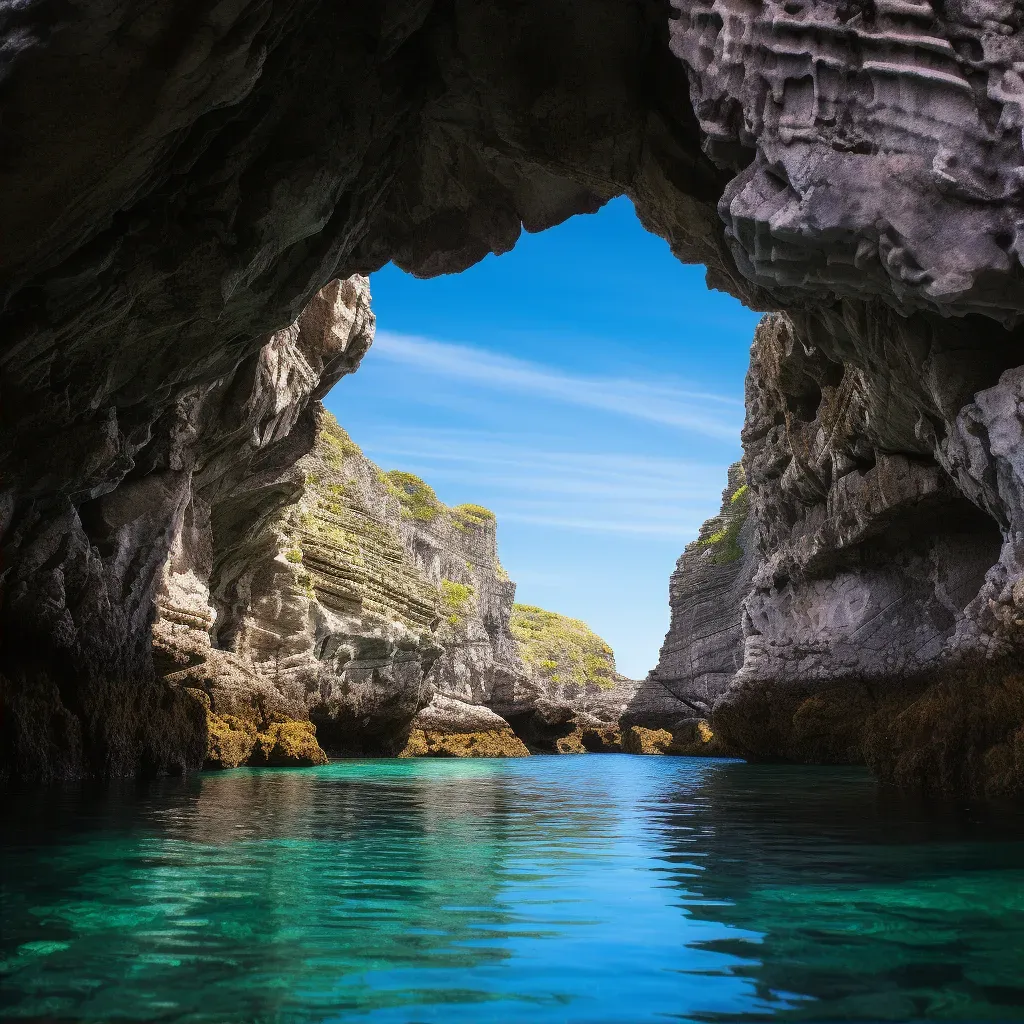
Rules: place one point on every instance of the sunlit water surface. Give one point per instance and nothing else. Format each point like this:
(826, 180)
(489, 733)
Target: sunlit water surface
(568, 889)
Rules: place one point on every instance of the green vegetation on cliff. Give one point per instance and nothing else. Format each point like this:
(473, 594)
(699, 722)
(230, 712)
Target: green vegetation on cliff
(465, 516)
(565, 651)
(456, 599)
(416, 497)
(335, 442)
(721, 533)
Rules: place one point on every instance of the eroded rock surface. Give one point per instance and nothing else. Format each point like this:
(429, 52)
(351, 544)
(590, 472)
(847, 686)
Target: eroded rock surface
(168, 207)
(703, 648)
(449, 727)
(886, 569)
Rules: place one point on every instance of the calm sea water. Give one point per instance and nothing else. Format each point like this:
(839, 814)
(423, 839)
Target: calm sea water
(569, 889)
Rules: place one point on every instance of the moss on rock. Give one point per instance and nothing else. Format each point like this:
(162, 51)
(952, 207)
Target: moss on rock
(638, 740)
(289, 744)
(232, 741)
(456, 601)
(691, 739)
(491, 743)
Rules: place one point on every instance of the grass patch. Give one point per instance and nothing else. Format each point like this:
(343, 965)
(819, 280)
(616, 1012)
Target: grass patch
(416, 497)
(456, 599)
(471, 516)
(721, 534)
(560, 649)
(336, 441)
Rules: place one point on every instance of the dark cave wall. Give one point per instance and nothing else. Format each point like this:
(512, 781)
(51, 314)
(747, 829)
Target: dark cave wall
(178, 182)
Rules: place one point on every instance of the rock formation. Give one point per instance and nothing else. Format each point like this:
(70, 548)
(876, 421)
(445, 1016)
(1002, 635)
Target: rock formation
(448, 727)
(570, 697)
(169, 206)
(883, 593)
(703, 648)
(364, 616)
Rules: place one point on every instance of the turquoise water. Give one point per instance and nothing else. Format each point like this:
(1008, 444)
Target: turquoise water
(549, 889)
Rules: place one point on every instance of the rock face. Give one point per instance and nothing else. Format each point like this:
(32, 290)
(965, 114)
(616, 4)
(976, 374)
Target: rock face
(238, 490)
(883, 593)
(350, 608)
(168, 207)
(703, 648)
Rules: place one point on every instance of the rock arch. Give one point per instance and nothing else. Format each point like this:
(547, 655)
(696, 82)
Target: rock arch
(178, 182)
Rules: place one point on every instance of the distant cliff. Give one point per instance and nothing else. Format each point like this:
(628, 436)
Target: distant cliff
(703, 648)
(333, 606)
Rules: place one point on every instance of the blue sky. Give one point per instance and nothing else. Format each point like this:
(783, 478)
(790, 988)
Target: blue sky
(586, 387)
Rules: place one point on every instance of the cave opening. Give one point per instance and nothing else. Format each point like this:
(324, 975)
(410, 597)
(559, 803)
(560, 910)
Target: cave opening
(587, 388)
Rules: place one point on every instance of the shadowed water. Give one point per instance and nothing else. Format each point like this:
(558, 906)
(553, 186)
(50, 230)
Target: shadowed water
(569, 889)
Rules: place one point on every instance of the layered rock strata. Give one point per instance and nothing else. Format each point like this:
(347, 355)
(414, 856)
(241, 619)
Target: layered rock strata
(703, 649)
(166, 208)
(884, 591)
(370, 611)
(352, 607)
(237, 490)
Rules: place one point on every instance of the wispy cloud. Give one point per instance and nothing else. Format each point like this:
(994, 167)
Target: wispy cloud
(708, 414)
(525, 480)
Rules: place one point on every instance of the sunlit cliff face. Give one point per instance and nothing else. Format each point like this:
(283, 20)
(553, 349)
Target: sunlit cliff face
(166, 209)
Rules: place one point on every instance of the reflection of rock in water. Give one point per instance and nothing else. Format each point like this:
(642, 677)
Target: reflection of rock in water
(301, 882)
(855, 902)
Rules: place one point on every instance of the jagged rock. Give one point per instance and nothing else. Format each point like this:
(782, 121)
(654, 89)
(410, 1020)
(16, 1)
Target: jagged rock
(371, 609)
(693, 738)
(168, 207)
(703, 648)
(877, 578)
(287, 744)
(256, 740)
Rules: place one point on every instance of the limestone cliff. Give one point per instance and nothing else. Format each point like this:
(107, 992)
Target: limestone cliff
(373, 611)
(703, 648)
(354, 606)
(166, 209)
(880, 624)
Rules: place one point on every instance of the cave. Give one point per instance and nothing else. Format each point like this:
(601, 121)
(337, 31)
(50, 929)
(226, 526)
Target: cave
(170, 209)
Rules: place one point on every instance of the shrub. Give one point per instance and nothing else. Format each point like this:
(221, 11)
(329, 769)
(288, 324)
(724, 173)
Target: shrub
(416, 497)
(564, 651)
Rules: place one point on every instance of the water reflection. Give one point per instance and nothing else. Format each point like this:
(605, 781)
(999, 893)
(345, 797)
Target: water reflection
(565, 889)
(866, 906)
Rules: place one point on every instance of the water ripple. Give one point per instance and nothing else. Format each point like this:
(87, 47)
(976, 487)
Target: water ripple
(572, 889)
